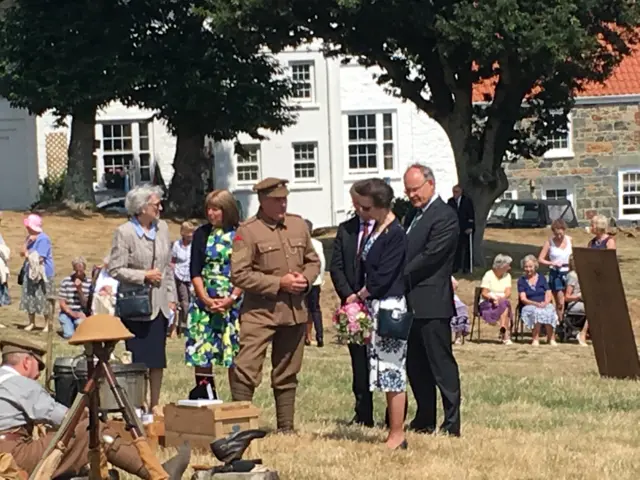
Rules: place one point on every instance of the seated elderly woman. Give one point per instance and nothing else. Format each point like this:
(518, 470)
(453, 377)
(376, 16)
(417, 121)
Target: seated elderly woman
(536, 300)
(495, 306)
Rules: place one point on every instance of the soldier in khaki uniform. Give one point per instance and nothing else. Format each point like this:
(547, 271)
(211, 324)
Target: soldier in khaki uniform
(275, 264)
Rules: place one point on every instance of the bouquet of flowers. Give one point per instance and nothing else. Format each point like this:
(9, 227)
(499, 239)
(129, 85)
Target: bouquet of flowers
(354, 323)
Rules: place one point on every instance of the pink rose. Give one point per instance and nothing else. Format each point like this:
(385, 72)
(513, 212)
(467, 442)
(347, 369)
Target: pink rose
(352, 309)
(353, 327)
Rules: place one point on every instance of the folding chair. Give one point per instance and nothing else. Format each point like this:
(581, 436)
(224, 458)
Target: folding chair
(570, 323)
(517, 323)
(476, 312)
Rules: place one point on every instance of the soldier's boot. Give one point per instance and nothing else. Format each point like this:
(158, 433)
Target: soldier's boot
(285, 409)
(125, 456)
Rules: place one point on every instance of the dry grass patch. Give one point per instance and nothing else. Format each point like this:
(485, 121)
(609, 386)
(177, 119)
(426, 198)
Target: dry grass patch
(527, 413)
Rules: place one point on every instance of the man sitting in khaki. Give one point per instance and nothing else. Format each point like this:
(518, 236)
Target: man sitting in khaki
(25, 405)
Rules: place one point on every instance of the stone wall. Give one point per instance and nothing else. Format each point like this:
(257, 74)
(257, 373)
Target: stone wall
(604, 139)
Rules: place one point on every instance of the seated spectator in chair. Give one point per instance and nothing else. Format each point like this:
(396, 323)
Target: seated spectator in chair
(602, 240)
(74, 297)
(536, 300)
(575, 305)
(495, 304)
(460, 321)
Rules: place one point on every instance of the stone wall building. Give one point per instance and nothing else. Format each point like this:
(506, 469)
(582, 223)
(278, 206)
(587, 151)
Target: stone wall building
(596, 165)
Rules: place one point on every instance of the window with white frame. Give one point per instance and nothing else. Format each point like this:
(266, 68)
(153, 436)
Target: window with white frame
(560, 144)
(371, 142)
(302, 80)
(509, 195)
(248, 164)
(305, 162)
(629, 194)
(556, 194)
(124, 147)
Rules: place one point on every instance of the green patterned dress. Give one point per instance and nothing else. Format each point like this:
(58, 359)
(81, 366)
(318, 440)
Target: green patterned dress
(214, 338)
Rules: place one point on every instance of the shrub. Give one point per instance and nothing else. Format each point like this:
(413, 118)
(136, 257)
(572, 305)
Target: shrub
(50, 191)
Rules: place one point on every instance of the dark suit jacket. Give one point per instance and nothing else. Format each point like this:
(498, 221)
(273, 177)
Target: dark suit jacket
(466, 213)
(430, 256)
(345, 269)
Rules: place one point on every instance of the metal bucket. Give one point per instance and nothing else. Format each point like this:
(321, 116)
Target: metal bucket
(70, 377)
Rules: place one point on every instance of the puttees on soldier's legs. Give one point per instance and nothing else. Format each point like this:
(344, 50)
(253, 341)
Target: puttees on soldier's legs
(274, 262)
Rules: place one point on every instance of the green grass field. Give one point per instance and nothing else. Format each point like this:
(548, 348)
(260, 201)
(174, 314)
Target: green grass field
(527, 413)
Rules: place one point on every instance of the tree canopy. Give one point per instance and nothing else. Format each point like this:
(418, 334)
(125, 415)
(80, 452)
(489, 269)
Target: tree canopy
(530, 58)
(205, 83)
(71, 58)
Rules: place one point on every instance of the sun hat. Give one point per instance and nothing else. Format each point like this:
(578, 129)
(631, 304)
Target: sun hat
(34, 222)
(100, 328)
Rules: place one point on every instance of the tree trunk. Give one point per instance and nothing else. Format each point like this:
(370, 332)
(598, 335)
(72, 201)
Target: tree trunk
(190, 170)
(78, 185)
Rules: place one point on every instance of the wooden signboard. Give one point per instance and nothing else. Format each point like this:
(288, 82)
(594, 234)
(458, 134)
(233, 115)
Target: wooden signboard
(607, 313)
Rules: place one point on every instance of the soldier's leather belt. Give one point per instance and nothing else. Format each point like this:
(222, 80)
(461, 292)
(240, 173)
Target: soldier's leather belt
(11, 436)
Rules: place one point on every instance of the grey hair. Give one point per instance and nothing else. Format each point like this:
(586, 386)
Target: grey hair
(78, 261)
(427, 173)
(502, 261)
(530, 258)
(138, 198)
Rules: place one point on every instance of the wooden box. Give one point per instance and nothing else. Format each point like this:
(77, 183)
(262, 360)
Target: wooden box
(154, 432)
(202, 425)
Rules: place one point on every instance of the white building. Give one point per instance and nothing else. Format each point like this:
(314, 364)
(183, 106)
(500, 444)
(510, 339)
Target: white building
(348, 129)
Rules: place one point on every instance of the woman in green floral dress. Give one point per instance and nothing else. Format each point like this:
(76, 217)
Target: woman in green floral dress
(213, 333)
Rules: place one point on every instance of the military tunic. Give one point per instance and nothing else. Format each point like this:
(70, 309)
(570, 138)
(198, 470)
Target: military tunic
(263, 252)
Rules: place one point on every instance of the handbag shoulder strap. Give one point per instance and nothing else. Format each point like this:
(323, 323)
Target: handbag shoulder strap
(153, 255)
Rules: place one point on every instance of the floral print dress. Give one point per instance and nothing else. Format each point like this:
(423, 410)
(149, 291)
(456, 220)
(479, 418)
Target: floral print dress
(387, 356)
(214, 338)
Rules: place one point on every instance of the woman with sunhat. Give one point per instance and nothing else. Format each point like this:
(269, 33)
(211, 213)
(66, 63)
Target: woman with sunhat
(38, 285)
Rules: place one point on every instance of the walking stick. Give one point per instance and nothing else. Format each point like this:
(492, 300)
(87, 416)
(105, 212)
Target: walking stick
(49, 353)
(471, 252)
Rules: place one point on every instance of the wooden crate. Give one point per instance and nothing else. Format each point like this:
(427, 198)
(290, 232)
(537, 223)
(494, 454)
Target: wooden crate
(154, 432)
(202, 425)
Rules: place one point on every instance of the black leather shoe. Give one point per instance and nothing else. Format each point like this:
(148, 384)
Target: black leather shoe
(320, 343)
(358, 422)
(417, 428)
(232, 447)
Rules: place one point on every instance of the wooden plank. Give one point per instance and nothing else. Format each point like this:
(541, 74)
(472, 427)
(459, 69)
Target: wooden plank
(608, 314)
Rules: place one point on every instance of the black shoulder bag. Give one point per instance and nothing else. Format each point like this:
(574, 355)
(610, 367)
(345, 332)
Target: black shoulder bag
(393, 324)
(133, 302)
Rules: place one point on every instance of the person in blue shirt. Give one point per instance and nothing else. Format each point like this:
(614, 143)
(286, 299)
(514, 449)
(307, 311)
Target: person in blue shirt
(536, 300)
(38, 288)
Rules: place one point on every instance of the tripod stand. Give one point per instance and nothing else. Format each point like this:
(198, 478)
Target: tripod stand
(97, 354)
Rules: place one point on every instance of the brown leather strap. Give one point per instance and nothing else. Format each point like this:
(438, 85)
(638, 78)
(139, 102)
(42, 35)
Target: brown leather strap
(12, 436)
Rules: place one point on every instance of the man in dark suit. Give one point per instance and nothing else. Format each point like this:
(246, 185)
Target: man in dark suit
(347, 279)
(466, 220)
(433, 232)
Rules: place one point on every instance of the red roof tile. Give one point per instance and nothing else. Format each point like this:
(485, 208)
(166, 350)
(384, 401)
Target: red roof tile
(625, 80)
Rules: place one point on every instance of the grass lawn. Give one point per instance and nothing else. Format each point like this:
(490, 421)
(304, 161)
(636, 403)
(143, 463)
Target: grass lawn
(527, 413)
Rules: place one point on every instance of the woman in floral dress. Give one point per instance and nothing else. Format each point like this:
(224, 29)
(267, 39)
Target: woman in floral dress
(213, 327)
(383, 260)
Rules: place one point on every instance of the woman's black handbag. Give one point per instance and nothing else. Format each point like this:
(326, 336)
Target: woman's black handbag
(133, 302)
(23, 270)
(394, 324)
